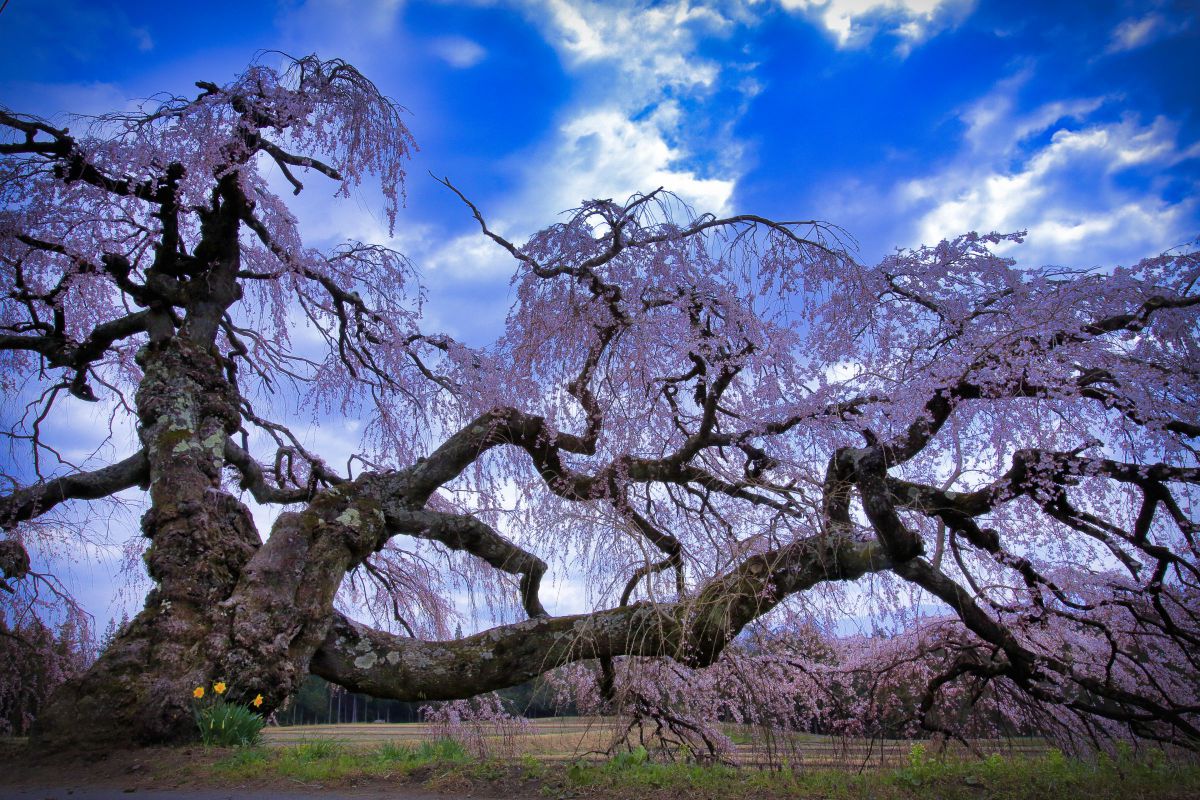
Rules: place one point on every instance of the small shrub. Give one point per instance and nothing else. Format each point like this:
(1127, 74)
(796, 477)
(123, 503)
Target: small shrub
(921, 770)
(442, 750)
(633, 758)
(317, 750)
(391, 752)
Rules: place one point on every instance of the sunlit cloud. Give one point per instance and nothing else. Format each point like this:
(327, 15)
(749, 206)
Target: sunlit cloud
(603, 154)
(854, 23)
(651, 45)
(1069, 193)
(996, 124)
(629, 132)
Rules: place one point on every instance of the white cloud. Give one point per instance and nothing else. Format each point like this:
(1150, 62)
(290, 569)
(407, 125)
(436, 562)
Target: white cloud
(995, 127)
(652, 45)
(458, 51)
(1137, 32)
(1133, 33)
(603, 154)
(1066, 193)
(1090, 189)
(629, 132)
(472, 256)
(854, 23)
(579, 37)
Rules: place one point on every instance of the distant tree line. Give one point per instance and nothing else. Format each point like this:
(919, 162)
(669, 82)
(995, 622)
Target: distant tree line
(320, 702)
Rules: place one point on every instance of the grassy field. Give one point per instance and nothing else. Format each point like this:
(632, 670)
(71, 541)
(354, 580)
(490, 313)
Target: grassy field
(407, 759)
(563, 758)
(591, 738)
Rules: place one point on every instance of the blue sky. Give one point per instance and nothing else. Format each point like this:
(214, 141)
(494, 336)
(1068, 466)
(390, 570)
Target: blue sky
(904, 121)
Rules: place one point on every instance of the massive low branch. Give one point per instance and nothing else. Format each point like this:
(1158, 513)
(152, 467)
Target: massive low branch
(694, 630)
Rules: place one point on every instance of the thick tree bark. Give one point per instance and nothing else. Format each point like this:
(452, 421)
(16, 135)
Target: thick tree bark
(225, 606)
(201, 538)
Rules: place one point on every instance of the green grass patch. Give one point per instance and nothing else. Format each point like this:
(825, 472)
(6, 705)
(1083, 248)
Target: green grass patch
(442, 751)
(1048, 777)
(446, 765)
(243, 762)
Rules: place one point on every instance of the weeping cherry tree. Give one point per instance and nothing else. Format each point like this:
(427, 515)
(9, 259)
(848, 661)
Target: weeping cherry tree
(728, 427)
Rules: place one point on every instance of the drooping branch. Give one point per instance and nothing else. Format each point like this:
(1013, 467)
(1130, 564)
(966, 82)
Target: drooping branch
(665, 542)
(360, 329)
(465, 532)
(944, 399)
(60, 351)
(70, 162)
(288, 446)
(1047, 475)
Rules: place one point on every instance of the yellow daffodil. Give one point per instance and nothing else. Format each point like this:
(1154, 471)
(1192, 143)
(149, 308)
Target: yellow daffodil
(219, 687)
(257, 701)
(198, 692)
